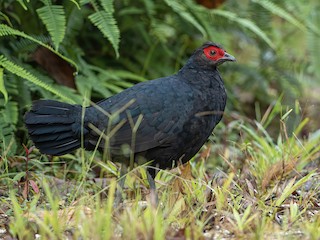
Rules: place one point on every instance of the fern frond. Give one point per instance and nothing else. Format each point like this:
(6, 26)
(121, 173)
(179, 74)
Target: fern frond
(182, 11)
(3, 89)
(245, 23)
(5, 30)
(12, 85)
(277, 10)
(24, 46)
(21, 72)
(106, 23)
(53, 17)
(107, 5)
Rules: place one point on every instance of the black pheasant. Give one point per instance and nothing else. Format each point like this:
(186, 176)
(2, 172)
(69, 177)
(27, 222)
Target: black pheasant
(164, 121)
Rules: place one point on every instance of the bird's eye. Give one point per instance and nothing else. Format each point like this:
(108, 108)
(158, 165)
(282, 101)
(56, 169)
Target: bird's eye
(212, 53)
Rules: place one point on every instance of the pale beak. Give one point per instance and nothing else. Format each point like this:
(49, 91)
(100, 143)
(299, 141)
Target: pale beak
(228, 57)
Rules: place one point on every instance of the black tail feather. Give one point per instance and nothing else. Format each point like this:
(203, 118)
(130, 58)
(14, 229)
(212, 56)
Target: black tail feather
(39, 129)
(55, 137)
(54, 127)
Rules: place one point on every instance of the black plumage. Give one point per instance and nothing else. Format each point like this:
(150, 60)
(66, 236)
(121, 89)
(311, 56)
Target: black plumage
(177, 114)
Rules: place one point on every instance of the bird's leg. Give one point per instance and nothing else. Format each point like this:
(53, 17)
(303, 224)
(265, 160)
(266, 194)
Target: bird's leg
(119, 191)
(151, 173)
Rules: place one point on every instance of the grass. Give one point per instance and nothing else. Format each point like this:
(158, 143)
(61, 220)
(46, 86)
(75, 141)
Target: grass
(249, 185)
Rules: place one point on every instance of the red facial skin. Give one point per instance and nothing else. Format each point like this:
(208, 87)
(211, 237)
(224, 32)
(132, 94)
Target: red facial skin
(214, 53)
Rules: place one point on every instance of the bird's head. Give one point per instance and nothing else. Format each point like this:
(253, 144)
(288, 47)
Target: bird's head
(210, 55)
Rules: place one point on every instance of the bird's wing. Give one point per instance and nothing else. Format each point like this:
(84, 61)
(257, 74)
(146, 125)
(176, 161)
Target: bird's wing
(148, 117)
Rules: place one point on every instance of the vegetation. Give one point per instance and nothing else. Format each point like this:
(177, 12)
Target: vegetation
(256, 178)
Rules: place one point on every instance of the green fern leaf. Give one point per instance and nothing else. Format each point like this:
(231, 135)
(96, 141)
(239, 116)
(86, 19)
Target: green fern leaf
(53, 17)
(107, 5)
(106, 23)
(21, 72)
(245, 23)
(3, 89)
(5, 30)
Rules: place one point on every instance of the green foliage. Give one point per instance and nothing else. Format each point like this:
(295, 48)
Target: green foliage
(265, 156)
(277, 10)
(2, 87)
(7, 31)
(23, 73)
(53, 16)
(314, 40)
(9, 120)
(246, 23)
(104, 20)
(186, 14)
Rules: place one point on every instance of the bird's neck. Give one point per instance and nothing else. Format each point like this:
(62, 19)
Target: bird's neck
(198, 76)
